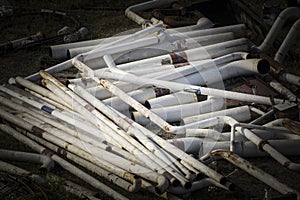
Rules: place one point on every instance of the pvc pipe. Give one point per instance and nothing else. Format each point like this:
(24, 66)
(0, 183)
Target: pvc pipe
(277, 26)
(40, 90)
(64, 164)
(201, 53)
(175, 42)
(127, 126)
(206, 133)
(288, 41)
(60, 51)
(241, 114)
(115, 132)
(261, 144)
(130, 12)
(254, 171)
(282, 90)
(103, 154)
(96, 53)
(101, 93)
(70, 130)
(177, 112)
(177, 98)
(192, 88)
(71, 120)
(290, 78)
(140, 95)
(47, 163)
(197, 75)
(186, 159)
(164, 144)
(248, 149)
(197, 185)
(12, 169)
(188, 145)
(101, 169)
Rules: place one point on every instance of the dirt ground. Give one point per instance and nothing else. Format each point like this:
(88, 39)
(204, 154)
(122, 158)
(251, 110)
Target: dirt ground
(104, 19)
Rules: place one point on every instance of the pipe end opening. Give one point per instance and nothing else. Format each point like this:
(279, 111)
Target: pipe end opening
(158, 191)
(223, 180)
(147, 105)
(175, 182)
(188, 185)
(263, 66)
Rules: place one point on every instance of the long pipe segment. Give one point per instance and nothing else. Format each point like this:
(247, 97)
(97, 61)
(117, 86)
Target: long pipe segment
(174, 87)
(12, 169)
(288, 41)
(110, 128)
(254, 171)
(82, 67)
(63, 163)
(126, 126)
(47, 163)
(277, 26)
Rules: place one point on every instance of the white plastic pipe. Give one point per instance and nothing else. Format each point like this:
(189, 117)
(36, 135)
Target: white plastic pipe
(64, 164)
(140, 95)
(192, 88)
(130, 12)
(241, 114)
(254, 171)
(115, 132)
(47, 163)
(177, 98)
(176, 113)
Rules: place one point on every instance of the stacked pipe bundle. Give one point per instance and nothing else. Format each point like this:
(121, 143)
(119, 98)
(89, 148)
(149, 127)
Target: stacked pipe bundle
(171, 79)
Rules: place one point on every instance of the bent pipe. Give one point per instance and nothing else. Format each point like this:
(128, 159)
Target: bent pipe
(47, 162)
(288, 41)
(277, 26)
(263, 145)
(254, 171)
(130, 12)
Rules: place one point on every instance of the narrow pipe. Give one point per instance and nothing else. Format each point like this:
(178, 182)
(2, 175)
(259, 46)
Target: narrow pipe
(66, 165)
(163, 143)
(40, 90)
(115, 132)
(192, 88)
(71, 120)
(12, 169)
(47, 163)
(290, 78)
(288, 41)
(254, 171)
(126, 125)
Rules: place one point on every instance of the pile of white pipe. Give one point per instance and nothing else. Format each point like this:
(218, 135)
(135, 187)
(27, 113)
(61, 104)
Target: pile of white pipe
(130, 86)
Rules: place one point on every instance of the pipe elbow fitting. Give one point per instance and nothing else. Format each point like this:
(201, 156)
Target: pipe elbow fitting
(136, 184)
(162, 184)
(48, 163)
